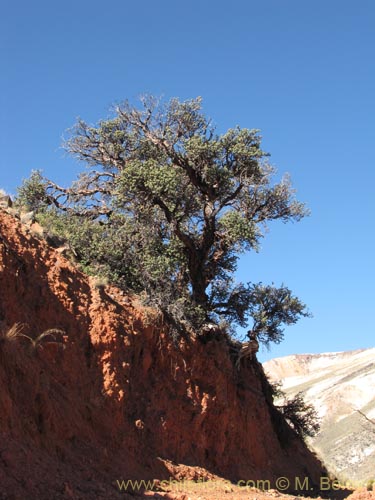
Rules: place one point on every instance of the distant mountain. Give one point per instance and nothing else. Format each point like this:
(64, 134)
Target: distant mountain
(338, 384)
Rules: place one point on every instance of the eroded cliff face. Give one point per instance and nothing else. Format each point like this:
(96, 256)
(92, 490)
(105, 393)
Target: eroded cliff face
(114, 397)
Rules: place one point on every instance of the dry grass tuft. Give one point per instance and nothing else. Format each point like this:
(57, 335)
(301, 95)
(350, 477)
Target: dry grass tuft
(15, 332)
(51, 332)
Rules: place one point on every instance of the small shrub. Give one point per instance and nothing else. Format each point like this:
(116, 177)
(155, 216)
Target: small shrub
(276, 390)
(32, 193)
(100, 281)
(301, 416)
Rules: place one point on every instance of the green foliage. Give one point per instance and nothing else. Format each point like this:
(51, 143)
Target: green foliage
(167, 206)
(270, 308)
(276, 390)
(301, 415)
(31, 195)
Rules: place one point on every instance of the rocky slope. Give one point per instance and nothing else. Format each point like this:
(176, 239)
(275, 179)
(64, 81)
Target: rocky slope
(112, 397)
(338, 385)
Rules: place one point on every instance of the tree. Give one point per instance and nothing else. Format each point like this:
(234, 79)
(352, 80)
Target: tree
(180, 203)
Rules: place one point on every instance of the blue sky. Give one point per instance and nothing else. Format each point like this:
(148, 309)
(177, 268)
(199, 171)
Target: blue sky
(302, 72)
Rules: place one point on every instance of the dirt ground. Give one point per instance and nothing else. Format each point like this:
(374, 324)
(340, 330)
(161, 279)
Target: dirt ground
(211, 487)
(221, 489)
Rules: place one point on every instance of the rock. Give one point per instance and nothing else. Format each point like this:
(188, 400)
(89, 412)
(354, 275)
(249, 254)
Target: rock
(27, 217)
(5, 201)
(337, 384)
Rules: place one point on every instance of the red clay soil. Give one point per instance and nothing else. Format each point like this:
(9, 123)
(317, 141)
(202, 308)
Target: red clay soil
(114, 398)
(221, 489)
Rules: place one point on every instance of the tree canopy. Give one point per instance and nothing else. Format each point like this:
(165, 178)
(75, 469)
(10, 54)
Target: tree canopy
(167, 205)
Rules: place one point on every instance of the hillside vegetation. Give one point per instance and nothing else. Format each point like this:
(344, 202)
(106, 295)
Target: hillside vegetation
(110, 395)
